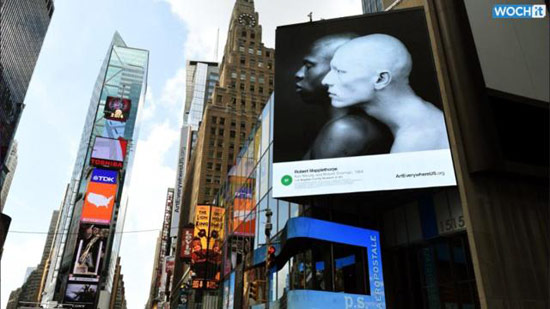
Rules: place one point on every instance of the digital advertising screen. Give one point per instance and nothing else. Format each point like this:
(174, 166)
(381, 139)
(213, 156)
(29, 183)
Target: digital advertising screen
(358, 107)
(117, 109)
(81, 295)
(108, 152)
(207, 243)
(90, 249)
(100, 197)
(186, 240)
(114, 129)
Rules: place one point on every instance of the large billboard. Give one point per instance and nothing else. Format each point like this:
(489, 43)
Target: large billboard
(358, 108)
(206, 253)
(109, 152)
(117, 109)
(90, 249)
(81, 295)
(100, 197)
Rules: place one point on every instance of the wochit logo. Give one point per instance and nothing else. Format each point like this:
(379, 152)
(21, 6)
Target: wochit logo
(514, 11)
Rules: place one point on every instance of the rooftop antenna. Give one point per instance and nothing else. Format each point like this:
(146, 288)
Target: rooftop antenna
(217, 45)
(310, 15)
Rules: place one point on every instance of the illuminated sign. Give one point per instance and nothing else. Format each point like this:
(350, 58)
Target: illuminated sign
(100, 197)
(91, 244)
(301, 228)
(348, 137)
(109, 152)
(206, 252)
(114, 129)
(117, 109)
(81, 295)
(186, 240)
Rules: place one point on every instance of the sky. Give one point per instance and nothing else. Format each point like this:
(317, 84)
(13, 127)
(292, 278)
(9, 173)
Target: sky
(57, 100)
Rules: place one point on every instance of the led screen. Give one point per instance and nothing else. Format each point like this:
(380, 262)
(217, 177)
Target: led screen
(117, 109)
(81, 295)
(100, 197)
(109, 152)
(206, 252)
(90, 249)
(357, 107)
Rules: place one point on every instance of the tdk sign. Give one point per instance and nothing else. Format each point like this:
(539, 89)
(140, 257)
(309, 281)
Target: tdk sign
(104, 176)
(519, 11)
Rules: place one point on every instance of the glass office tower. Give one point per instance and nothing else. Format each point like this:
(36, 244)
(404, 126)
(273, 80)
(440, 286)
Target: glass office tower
(106, 151)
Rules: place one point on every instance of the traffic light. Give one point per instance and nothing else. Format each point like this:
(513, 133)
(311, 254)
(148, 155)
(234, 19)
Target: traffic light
(270, 257)
(253, 290)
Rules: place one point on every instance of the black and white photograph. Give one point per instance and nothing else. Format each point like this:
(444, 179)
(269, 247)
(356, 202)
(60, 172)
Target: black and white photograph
(359, 87)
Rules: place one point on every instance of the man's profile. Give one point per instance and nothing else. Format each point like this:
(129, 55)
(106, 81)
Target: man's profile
(372, 72)
(348, 132)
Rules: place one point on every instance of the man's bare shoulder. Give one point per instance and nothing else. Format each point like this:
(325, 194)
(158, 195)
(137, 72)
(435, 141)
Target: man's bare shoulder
(350, 135)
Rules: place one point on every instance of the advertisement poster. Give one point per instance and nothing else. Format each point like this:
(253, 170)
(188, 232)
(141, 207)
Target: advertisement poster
(206, 254)
(186, 240)
(81, 295)
(117, 109)
(242, 206)
(100, 197)
(90, 249)
(358, 108)
(109, 152)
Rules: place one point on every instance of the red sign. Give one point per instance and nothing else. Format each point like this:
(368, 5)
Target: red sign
(109, 152)
(186, 239)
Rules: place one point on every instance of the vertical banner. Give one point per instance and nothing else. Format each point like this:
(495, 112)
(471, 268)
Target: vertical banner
(186, 240)
(100, 197)
(206, 253)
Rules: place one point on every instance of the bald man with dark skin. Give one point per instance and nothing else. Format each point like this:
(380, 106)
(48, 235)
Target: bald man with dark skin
(349, 132)
(372, 73)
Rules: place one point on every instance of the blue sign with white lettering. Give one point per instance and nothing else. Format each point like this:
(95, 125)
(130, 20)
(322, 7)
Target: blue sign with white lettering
(104, 176)
(519, 11)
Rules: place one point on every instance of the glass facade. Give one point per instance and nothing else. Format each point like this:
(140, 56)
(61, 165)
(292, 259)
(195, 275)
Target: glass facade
(23, 25)
(426, 259)
(122, 75)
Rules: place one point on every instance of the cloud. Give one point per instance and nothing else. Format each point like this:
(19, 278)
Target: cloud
(20, 251)
(204, 18)
(149, 182)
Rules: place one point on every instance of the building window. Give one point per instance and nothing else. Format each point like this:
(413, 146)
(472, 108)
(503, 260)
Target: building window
(252, 88)
(243, 76)
(241, 86)
(243, 34)
(209, 165)
(233, 75)
(241, 48)
(218, 167)
(252, 78)
(261, 80)
(232, 133)
(220, 132)
(267, 54)
(260, 64)
(261, 89)
(269, 65)
(243, 61)
(259, 52)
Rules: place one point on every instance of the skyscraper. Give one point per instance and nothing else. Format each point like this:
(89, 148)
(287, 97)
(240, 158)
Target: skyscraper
(11, 164)
(92, 216)
(23, 25)
(201, 79)
(246, 81)
(29, 292)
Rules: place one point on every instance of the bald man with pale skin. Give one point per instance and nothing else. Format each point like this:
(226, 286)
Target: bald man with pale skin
(346, 133)
(372, 72)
